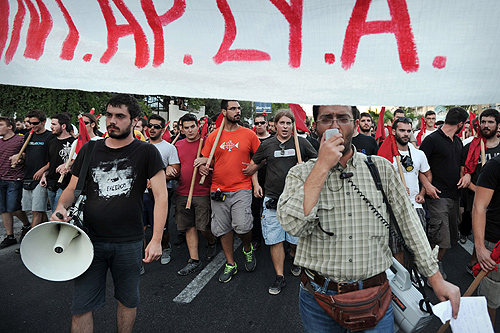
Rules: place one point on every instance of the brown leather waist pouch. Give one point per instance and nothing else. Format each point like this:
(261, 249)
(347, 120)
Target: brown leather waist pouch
(357, 310)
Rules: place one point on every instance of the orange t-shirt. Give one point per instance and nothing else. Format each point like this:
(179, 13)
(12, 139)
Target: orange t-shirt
(233, 149)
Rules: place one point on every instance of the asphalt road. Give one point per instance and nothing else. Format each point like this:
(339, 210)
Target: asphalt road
(31, 304)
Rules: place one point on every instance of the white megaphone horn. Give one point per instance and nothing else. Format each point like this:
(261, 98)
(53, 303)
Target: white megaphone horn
(57, 251)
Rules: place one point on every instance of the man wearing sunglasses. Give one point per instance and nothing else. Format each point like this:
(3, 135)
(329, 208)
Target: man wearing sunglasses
(36, 160)
(261, 129)
(156, 125)
(343, 245)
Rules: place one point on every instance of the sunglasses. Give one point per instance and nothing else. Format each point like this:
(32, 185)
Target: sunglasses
(86, 122)
(33, 122)
(260, 123)
(155, 126)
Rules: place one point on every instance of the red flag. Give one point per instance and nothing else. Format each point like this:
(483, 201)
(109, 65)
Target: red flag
(92, 111)
(300, 117)
(204, 129)
(219, 120)
(388, 148)
(166, 134)
(422, 131)
(83, 135)
(474, 150)
(264, 114)
(380, 134)
(495, 255)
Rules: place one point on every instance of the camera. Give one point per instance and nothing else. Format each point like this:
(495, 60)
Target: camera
(407, 163)
(217, 195)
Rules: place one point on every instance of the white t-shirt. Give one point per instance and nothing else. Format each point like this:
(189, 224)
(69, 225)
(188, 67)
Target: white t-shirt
(420, 164)
(95, 138)
(424, 135)
(169, 155)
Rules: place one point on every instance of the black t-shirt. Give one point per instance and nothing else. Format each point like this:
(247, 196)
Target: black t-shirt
(37, 153)
(280, 158)
(116, 181)
(490, 178)
(444, 156)
(468, 195)
(365, 144)
(59, 151)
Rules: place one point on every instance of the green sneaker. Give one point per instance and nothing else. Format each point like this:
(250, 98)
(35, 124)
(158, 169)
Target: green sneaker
(228, 273)
(250, 259)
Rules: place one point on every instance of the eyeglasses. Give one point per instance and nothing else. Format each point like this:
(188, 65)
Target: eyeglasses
(33, 122)
(340, 121)
(257, 123)
(155, 126)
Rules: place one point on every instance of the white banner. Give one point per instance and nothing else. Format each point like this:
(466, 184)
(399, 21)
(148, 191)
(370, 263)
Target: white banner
(380, 52)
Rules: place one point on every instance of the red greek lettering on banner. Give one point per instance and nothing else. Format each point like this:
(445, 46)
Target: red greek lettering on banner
(71, 41)
(117, 31)
(293, 14)
(400, 26)
(224, 53)
(158, 22)
(16, 32)
(38, 30)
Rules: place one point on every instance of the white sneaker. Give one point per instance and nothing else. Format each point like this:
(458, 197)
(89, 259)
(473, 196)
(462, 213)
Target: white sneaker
(165, 255)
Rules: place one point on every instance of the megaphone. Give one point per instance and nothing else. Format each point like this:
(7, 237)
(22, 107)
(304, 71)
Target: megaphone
(57, 251)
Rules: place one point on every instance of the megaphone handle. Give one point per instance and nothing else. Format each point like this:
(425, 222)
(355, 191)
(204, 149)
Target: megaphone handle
(59, 215)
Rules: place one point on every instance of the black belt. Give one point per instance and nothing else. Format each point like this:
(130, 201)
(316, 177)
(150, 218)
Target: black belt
(341, 287)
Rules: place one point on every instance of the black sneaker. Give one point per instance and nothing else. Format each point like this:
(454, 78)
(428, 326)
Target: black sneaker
(295, 270)
(191, 267)
(278, 284)
(24, 231)
(211, 251)
(250, 259)
(469, 269)
(228, 273)
(8, 241)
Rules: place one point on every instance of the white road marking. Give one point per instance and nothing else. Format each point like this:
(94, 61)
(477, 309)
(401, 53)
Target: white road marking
(201, 280)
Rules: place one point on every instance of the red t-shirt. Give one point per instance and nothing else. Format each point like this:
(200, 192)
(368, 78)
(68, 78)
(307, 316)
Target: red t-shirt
(233, 149)
(187, 154)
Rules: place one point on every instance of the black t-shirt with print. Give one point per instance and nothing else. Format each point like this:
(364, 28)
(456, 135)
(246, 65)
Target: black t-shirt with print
(490, 178)
(116, 181)
(37, 153)
(280, 158)
(59, 151)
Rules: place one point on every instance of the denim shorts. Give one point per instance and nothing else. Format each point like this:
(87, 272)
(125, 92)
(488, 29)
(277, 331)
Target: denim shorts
(124, 261)
(272, 231)
(11, 192)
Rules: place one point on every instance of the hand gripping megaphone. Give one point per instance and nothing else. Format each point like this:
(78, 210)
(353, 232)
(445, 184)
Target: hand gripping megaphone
(57, 251)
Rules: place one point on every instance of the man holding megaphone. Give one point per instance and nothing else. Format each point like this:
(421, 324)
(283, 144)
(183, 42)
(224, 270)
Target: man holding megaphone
(115, 182)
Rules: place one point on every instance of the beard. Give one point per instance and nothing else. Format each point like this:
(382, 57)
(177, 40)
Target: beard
(402, 141)
(233, 119)
(120, 136)
(487, 135)
(155, 136)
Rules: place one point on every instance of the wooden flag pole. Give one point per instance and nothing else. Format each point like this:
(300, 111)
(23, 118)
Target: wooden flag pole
(297, 147)
(400, 169)
(193, 179)
(14, 163)
(483, 153)
(216, 142)
(177, 138)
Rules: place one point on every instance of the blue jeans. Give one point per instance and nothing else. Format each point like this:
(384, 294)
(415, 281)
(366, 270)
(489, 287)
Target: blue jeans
(10, 195)
(315, 319)
(54, 198)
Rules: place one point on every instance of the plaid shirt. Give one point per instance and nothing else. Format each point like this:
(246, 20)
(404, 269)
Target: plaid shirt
(359, 247)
